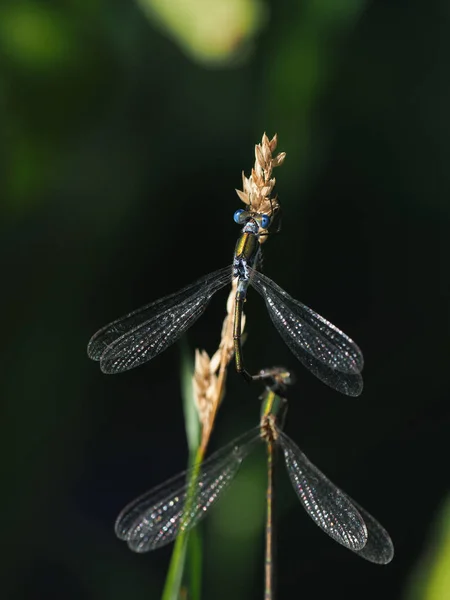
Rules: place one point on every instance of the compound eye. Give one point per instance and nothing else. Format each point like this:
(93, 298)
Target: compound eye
(265, 221)
(240, 216)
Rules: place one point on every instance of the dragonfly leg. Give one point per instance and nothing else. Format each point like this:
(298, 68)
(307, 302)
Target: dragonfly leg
(246, 375)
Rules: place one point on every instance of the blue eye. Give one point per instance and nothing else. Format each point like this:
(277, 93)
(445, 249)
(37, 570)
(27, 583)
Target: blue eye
(238, 216)
(265, 221)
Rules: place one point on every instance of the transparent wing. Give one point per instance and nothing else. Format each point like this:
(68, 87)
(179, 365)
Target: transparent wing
(323, 348)
(157, 517)
(325, 503)
(142, 334)
(379, 547)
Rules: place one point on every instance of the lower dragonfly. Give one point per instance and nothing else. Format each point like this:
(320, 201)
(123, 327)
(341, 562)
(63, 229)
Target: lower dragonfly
(142, 334)
(158, 516)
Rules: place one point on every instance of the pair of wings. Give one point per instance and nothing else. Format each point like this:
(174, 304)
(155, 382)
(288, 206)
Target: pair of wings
(158, 516)
(142, 334)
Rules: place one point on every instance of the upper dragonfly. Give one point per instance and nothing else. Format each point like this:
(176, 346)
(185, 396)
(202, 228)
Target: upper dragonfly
(320, 346)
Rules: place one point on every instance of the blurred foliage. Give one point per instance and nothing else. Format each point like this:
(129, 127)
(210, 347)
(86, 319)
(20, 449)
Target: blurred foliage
(213, 33)
(431, 578)
(119, 157)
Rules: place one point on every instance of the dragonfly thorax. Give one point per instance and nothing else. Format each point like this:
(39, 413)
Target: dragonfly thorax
(251, 227)
(246, 255)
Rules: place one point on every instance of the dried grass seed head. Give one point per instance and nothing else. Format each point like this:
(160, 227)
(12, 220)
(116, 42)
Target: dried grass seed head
(209, 373)
(258, 188)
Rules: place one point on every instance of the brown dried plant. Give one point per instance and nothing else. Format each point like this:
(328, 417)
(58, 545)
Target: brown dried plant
(257, 189)
(210, 373)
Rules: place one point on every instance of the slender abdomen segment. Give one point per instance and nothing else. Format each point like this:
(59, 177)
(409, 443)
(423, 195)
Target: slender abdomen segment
(237, 329)
(246, 255)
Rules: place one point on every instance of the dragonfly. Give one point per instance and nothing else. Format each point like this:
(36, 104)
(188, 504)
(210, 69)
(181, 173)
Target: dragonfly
(158, 516)
(320, 346)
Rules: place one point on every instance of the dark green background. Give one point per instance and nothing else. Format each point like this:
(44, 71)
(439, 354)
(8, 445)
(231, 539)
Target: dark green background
(120, 155)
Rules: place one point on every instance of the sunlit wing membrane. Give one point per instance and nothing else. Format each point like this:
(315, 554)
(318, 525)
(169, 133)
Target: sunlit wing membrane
(325, 503)
(139, 336)
(322, 348)
(301, 327)
(379, 547)
(157, 517)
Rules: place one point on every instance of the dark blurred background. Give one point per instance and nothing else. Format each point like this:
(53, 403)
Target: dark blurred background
(125, 128)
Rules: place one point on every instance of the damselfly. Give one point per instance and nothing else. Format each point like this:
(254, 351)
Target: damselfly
(142, 334)
(157, 517)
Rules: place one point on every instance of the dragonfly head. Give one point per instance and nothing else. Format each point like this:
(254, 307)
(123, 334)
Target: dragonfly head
(252, 222)
(276, 379)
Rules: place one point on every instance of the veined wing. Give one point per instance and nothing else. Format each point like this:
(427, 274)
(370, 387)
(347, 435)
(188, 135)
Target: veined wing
(324, 502)
(158, 516)
(314, 340)
(142, 334)
(379, 547)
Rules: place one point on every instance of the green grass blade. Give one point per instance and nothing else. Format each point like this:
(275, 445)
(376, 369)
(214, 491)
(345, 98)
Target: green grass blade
(194, 557)
(187, 549)
(191, 421)
(174, 576)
